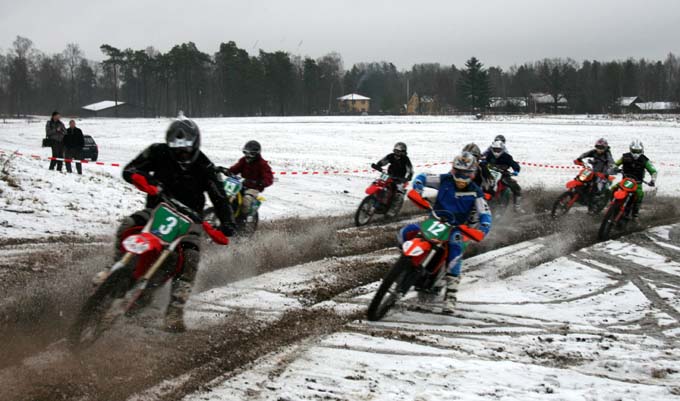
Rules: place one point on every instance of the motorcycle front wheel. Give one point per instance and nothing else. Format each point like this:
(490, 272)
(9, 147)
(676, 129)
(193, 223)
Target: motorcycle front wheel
(92, 319)
(365, 212)
(608, 222)
(563, 204)
(395, 284)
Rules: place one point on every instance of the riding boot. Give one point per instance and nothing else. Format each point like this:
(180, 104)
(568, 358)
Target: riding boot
(451, 294)
(518, 205)
(181, 290)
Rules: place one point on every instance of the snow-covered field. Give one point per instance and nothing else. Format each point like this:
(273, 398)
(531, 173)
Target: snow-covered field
(598, 324)
(49, 203)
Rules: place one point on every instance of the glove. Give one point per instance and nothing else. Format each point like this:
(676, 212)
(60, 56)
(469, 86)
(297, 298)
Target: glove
(143, 185)
(418, 186)
(485, 228)
(376, 167)
(578, 162)
(652, 183)
(515, 173)
(218, 236)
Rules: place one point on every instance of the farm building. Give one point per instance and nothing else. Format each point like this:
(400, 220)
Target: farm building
(353, 103)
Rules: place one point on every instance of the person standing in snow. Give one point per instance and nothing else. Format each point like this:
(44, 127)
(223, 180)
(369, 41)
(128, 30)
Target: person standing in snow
(401, 171)
(256, 173)
(54, 131)
(73, 146)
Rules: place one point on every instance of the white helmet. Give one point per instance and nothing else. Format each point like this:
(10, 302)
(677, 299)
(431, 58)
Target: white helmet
(497, 148)
(463, 168)
(636, 148)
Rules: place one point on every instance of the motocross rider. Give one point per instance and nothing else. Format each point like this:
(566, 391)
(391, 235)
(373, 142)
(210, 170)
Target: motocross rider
(179, 169)
(257, 175)
(482, 175)
(401, 171)
(634, 164)
(602, 162)
(497, 155)
(457, 197)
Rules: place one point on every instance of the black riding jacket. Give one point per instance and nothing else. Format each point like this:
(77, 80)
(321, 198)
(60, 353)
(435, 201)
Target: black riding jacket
(187, 186)
(399, 168)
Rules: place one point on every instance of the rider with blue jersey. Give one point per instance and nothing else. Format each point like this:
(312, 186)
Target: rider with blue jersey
(457, 197)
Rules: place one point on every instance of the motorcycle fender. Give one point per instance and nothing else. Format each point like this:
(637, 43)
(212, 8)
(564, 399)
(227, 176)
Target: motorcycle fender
(372, 189)
(416, 249)
(620, 195)
(574, 184)
(140, 244)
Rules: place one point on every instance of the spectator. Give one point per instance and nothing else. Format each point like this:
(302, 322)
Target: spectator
(54, 130)
(73, 146)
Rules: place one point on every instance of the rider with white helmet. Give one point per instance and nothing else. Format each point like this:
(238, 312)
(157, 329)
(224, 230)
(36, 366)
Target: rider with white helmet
(497, 155)
(634, 164)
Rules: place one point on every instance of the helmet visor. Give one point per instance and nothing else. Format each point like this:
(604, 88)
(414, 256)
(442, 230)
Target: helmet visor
(636, 151)
(600, 147)
(399, 152)
(462, 176)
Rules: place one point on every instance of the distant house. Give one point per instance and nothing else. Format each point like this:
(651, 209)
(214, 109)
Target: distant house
(353, 103)
(507, 104)
(109, 108)
(545, 103)
(657, 107)
(421, 105)
(627, 104)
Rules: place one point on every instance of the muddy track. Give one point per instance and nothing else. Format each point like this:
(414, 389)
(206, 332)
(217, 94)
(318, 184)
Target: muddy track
(204, 355)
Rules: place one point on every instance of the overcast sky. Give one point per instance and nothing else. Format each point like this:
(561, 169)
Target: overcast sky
(498, 32)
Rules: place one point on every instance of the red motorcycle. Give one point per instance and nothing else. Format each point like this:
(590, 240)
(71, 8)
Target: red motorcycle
(620, 207)
(380, 193)
(501, 195)
(423, 259)
(152, 257)
(583, 189)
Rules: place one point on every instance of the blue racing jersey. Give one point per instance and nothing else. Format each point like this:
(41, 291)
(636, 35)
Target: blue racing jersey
(457, 203)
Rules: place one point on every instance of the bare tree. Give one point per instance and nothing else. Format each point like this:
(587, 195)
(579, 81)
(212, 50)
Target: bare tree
(73, 56)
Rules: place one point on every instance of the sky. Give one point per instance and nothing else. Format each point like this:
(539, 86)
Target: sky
(498, 32)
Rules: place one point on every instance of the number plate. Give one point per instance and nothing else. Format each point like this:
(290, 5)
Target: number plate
(433, 229)
(168, 225)
(232, 186)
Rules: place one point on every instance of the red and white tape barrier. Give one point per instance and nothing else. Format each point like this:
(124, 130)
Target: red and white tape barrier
(311, 172)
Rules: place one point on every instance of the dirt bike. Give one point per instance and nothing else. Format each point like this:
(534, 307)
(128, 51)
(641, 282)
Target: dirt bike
(380, 193)
(423, 261)
(500, 198)
(583, 189)
(233, 186)
(145, 266)
(619, 211)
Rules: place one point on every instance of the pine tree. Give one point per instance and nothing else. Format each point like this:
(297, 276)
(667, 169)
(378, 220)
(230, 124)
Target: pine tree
(474, 88)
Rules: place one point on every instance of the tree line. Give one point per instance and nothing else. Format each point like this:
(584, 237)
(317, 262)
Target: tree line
(232, 82)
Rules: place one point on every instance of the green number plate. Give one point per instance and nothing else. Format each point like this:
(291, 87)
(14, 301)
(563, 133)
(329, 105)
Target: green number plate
(433, 229)
(232, 186)
(629, 184)
(167, 225)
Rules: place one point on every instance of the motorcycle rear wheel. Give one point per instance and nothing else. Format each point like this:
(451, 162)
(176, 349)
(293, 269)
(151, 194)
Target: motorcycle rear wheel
(365, 212)
(91, 321)
(398, 280)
